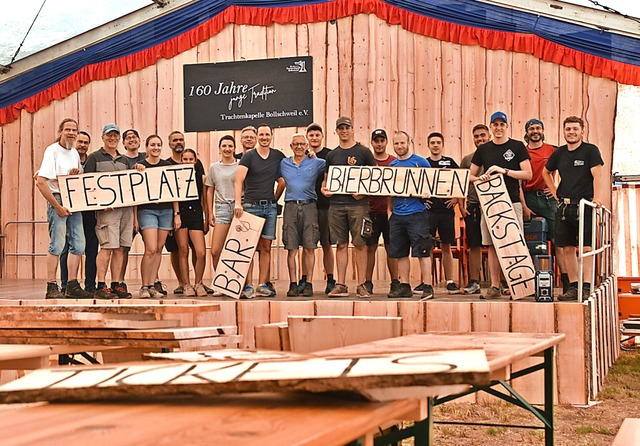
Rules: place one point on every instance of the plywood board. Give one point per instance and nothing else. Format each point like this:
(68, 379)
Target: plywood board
(308, 334)
(448, 316)
(629, 433)
(274, 336)
(158, 334)
(117, 306)
(236, 255)
(95, 191)
(279, 309)
(194, 343)
(313, 374)
(228, 354)
(507, 236)
(88, 324)
(572, 367)
(398, 181)
(250, 314)
(413, 317)
(334, 308)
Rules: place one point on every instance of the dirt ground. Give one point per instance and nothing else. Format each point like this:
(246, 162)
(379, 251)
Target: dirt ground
(593, 426)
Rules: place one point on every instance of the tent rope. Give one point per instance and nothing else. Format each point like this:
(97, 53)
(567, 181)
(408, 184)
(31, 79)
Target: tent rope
(27, 34)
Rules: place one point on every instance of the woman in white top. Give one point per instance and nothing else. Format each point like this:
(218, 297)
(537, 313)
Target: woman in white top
(219, 190)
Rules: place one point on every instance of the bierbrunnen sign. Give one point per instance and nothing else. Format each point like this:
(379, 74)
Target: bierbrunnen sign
(232, 95)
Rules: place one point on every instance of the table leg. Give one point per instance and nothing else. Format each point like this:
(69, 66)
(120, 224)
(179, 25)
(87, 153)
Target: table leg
(548, 395)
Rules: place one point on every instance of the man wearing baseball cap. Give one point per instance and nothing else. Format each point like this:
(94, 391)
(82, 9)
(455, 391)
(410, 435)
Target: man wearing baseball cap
(378, 208)
(114, 227)
(347, 212)
(510, 158)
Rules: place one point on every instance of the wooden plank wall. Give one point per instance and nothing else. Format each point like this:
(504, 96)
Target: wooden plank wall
(380, 74)
(626, 229)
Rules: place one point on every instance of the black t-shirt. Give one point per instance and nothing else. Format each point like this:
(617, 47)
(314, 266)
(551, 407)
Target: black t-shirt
(199, 167)
(576, 180)
(323, 202)
(262, 174)
(439, 204)
(195, 203)
(155, 206)
(133, 161)
(358, 155)
(509, 156)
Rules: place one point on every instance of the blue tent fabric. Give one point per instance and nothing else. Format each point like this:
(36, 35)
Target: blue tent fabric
(600, 43)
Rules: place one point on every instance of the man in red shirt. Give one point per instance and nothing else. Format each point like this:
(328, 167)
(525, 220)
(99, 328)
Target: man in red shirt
(536, 197)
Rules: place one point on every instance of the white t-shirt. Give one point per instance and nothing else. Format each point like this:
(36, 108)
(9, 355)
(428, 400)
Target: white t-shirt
(58, 161)
(222, 177)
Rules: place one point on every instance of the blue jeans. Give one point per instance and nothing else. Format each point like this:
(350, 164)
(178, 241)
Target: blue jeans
(65, 228)
(90, 253)
(269, 212)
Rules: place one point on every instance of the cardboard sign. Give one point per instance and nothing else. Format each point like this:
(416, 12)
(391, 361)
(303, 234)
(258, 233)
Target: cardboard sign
(398, 181)
(507, 236)
(316, 374)
(95, 191)
(236, 255)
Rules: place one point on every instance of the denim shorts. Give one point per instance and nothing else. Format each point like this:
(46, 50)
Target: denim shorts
(224, 213)
(267, 211)
(155, 219)
(63, 228)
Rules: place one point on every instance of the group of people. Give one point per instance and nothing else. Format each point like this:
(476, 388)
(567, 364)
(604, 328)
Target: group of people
(255, 179)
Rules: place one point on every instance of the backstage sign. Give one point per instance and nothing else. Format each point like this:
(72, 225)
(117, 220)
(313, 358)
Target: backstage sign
(121, 188)
(398, 181)
(507, 236)
(232, 95)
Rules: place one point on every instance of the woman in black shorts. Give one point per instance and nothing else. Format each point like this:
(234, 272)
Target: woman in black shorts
(192, 230)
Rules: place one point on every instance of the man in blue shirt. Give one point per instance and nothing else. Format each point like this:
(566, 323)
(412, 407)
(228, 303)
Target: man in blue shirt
(409, 225)
(300, 222)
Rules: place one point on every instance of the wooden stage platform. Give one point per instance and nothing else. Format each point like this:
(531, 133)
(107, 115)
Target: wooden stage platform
(584, 357)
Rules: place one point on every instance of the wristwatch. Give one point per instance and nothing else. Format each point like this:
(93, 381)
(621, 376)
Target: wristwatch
(176, 213)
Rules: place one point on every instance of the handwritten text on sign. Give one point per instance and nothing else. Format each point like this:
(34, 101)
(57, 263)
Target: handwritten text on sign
(213, 378)
(507, 236)
(95, 191)
(237, 254)
(398, 181)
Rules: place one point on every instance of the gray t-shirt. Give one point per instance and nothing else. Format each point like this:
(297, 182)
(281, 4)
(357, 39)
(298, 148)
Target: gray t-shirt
(222, 178)
(472, 196)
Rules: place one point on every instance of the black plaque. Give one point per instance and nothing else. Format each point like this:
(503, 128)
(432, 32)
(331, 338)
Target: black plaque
(232, 95)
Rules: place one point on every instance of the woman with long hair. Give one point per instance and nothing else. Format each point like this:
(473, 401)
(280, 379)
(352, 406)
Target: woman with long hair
(220, 195)
(154, 221)
(192, 229)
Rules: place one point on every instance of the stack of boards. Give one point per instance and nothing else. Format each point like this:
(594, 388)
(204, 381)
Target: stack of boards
(132, 323)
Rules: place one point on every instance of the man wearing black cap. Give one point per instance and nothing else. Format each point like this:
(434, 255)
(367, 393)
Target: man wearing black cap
(510, 158)
(536, 197)
(378, 212)
(580, 166)
(347, 212)
(114, 227)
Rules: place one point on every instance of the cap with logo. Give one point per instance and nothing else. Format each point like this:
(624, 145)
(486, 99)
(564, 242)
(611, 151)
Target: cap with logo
(110, 128)
(126, 132)
(344, 120)
(499, 115)
(378, 133)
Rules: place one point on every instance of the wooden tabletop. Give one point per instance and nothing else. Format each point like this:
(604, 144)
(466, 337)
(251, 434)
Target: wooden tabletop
(265, 419)
(502, 349)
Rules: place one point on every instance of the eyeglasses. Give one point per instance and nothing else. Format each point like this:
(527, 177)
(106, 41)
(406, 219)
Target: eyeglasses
(298, 144)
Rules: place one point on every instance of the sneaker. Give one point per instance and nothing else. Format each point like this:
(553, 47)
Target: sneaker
(104, 293)
(473, 287)
(206, 289)
(75, 291)
(155, 294)
(293, 290)
(248, 292)
(331, 284)
(200, 290)
(368, 286)
(308, 290)
(427, 292)
(159, 287)
(452, 287)
(400, 290)
(271, 288)
(504, 288)
(571, 294)
(120, 290)
(179, 290)
(189, 291)
(339, 290)
(492, 293)
(419, 289)
(53, 291)
(144, 292)
(395, 285)
(362, 291)
(263, 290)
